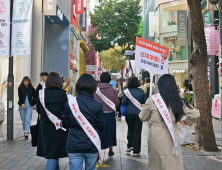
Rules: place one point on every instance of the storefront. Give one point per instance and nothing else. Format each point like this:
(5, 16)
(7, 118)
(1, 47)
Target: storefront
(82, 62)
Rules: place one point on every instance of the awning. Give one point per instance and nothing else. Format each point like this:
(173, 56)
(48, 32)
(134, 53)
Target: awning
(83, 45)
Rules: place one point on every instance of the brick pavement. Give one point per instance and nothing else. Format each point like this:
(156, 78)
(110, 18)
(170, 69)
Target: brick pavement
(19, 155)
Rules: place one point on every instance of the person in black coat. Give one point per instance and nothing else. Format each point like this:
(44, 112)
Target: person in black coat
(26, 93)
(79, 146)
(51, 142)
(43, 76)
(132, 116)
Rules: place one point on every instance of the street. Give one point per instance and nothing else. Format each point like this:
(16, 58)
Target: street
(20, 155)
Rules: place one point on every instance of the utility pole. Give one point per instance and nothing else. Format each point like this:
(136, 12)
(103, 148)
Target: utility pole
(10, 85)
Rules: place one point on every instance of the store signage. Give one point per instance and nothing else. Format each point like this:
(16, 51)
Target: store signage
(90, 69)
(21, 27)
(49, 7)
(4, 27)
(83, 19)
(128, 52)
(79, 6)
(172, 71)
(60, 14)
(211, 40)
(151, 24)
(72, 62)
(182, 28)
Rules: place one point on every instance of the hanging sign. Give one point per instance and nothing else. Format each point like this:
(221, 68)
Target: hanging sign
(182, 28)
(211, 40)
(151, 24)
(79, 6)
(83, 19)
(49, 7)
(21, 27)
(4, 27)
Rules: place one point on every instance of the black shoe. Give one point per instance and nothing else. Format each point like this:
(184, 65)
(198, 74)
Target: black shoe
(111, 153)
(129, 149)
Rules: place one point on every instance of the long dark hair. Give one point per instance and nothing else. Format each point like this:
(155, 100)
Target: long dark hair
(27, 79)
(169, 92)
(120, 85)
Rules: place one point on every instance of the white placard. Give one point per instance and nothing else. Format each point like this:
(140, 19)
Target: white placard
(21, 27)
(151, 24)
(4, 27)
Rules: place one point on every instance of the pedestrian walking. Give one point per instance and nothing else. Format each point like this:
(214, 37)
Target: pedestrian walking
(41, 85)
(26, 102)
(108, 135)
(79, 146)
(146, 87)
(113, 82)
(141, 84)
(132, 116)
(161, 145)
(51, 142)
(69, 87)
(2, 113)
(119, 90)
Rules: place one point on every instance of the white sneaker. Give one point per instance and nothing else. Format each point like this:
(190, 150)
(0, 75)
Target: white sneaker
(129, 149)
(136, 154)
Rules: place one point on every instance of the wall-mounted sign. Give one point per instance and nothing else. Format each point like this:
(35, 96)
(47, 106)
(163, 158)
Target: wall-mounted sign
(49, 7)
(79, 6)
(21, 27)
(72, 62)
(212, 43)
(60, 14)
(182, 28)
(128, 52)
(4, 27)
(172, 71)
(83, 19)
(151, 24)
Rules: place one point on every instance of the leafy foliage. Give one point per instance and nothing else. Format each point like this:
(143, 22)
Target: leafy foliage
(112, 59)
(115, 22)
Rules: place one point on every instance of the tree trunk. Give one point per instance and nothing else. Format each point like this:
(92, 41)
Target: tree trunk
(205, 138)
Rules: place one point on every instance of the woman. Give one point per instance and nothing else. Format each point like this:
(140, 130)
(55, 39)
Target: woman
(2, 113)
(132, 116)
(120, 91)
(108, 135)
(160, 141)
(26, 93)
(79, 146)
(51, 142)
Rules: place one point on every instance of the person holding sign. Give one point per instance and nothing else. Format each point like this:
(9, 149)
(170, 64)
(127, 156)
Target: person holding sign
(83, 116)
(133, 100)
(108, 96)
(165, 110)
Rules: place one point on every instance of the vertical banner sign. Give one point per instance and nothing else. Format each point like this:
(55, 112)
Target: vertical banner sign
(21, 26)
(151, 24)
(79, 6)
(83, 19)
(211, 40)
(49, 7)
(182, 28)
(4, 27)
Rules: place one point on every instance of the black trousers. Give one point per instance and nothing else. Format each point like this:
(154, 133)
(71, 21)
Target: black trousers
(134, 132)
(118, 108)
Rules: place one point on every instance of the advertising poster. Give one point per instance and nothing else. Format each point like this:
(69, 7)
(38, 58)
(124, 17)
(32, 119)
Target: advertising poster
(21, 27)
(211, 40)
(4, 27)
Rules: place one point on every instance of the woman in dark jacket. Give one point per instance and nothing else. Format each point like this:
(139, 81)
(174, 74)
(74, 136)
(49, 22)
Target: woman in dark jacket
(79, 146)
(108, 135)
(26, 93)
(132, 116)
(51, 142)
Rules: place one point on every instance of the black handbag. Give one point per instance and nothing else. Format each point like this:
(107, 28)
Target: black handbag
(34, 133)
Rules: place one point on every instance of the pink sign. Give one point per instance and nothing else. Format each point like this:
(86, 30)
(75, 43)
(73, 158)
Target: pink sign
(215, 109)
(211, 40)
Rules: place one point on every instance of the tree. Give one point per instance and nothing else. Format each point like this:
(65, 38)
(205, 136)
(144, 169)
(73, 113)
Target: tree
(115, 22)
(112, 59)
(205, 138)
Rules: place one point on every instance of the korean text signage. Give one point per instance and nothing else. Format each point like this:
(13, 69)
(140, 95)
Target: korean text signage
(72, 61)
(4, 27)
(182, 28)
(151, 24)
(211, 40)
(79, 6)
(21, 27)
(151, 56)
(83, 19)
(49, 7)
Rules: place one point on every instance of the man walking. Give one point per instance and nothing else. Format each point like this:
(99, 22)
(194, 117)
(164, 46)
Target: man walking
(113, 83)
(68, 87)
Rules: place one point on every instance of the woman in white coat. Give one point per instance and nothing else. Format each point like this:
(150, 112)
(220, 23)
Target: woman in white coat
(160, 143)
(2, 112)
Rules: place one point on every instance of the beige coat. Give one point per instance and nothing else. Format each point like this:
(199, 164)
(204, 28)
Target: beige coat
(160, 142)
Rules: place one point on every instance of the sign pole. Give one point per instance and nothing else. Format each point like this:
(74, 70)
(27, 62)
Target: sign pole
(10, 86)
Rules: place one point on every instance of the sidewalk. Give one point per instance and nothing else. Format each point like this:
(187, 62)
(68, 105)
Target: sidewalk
(19, 155)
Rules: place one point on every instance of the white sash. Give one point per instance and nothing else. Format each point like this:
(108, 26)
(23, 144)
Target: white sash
(133, 100)
(106, 100)
(84, 123)
(55, 120)
(161, 106)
